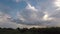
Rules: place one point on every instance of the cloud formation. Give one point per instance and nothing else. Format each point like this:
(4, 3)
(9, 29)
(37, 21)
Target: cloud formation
(44, 16)
(20, 13)
(57, 4)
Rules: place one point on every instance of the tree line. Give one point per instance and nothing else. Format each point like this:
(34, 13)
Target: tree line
(52, 30)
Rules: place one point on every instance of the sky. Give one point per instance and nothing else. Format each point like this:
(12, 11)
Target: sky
(29, 13)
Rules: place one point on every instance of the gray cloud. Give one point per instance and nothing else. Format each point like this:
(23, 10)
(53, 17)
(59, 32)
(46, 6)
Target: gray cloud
(37, 13)
(44, 6)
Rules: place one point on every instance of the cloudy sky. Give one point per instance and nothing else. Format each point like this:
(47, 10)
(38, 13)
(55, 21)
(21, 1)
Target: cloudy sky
(29, 13)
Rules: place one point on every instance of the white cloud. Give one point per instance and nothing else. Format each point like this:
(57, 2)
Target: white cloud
(20, 17)
(29, 14)
(17, 1)
(31, 7)
(46, 16)
(5, 22)
(57, 4)
(30, 26)
(3, 17)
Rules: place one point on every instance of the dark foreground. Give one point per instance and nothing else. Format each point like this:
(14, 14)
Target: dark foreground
(30, 31)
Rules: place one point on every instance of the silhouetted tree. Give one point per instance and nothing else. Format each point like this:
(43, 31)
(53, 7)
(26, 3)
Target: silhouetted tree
(52, 30)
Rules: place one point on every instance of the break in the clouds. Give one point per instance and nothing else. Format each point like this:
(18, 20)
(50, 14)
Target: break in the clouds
(29, 13)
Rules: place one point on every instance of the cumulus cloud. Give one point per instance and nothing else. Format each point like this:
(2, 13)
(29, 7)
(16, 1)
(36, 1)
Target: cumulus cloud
(29, 15)
(7, 22)
(40, 13)
(17, 1)
(31, 7)
(4, 21)
(57, 4)
(44, 16)
(32, 17)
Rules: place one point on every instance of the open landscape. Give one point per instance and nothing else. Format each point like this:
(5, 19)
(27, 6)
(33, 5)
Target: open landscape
(29, 16)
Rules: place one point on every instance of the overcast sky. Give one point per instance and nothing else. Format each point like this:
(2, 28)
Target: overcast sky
(29, 13)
